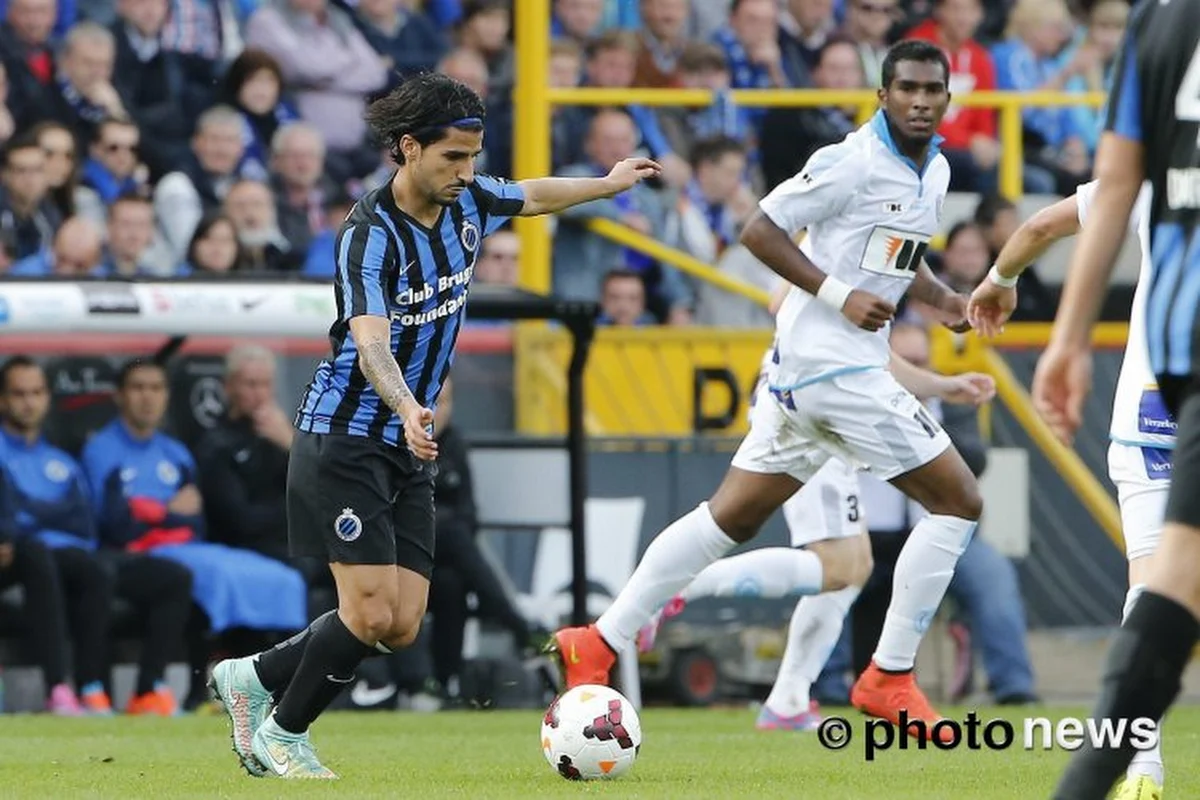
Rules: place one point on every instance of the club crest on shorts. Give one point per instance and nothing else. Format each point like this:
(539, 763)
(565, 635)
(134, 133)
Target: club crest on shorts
(348, 526)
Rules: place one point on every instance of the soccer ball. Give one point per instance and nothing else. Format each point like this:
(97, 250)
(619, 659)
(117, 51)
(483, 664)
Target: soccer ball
(591, 732)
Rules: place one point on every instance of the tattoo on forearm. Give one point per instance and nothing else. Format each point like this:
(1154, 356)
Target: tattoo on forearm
(380, 367)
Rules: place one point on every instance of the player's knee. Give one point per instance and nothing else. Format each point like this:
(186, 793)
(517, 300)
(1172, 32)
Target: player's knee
(370, 619)
(969, 502)
(405, 627)
(864, 562)
(837, 568)
(965, 502)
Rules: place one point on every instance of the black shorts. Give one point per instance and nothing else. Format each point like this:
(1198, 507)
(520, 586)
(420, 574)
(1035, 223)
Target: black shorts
(353, 500)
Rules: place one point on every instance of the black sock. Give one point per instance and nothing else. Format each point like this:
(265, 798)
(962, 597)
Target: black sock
(1141, 679)
(276, 667)
(326, 666)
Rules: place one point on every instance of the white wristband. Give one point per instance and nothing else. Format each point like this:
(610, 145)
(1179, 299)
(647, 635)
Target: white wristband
(995, 277)
(834, 293)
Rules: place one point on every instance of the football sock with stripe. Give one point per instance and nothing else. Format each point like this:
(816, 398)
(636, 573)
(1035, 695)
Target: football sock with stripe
(325, 669)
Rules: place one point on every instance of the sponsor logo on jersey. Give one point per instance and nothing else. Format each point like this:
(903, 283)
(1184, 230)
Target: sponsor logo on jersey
(894, 253)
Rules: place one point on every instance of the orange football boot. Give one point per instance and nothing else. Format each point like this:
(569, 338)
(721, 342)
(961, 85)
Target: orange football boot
(586, 658)
(880, 694)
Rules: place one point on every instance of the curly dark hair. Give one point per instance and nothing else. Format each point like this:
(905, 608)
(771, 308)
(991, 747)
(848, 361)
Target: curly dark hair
(423, 107)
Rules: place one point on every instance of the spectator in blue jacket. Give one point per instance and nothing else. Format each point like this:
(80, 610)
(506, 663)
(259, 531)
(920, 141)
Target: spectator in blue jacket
(146, 497)
(51, 504)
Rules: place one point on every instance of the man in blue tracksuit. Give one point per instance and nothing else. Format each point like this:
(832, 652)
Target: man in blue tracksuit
(144, 490)
(49, 504)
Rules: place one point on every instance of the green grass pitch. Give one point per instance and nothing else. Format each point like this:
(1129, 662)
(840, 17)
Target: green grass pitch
(495, 754)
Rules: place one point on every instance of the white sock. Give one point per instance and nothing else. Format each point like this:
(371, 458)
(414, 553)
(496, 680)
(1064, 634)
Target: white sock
(672, 561)
(923, 571)
(813, 632)
(770, 572)
(1145, 762)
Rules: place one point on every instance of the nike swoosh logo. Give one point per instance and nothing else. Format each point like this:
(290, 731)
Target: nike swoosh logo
(250, 304)
(363, 695)
(280, 767)
(572, 656)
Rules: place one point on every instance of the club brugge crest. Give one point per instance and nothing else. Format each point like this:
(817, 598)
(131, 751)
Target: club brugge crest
(470, 236)
(347, 526)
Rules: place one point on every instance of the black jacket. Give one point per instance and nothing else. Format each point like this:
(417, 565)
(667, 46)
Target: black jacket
(454, 491)
(243, 479)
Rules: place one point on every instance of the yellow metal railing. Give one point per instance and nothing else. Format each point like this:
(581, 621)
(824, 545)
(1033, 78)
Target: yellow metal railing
(676, 258)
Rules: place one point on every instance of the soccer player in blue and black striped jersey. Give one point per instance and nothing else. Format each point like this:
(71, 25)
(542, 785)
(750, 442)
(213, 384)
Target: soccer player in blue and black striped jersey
(1152, 133)
(360, 482)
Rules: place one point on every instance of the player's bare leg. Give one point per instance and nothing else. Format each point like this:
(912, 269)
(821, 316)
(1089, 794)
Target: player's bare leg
(733, 515)
(948, 490)
(380, 608)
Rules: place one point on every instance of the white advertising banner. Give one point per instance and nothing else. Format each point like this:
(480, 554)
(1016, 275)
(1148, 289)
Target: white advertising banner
(224, 309)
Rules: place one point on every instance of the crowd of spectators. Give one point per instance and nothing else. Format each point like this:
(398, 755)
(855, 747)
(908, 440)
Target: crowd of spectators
(176, 138)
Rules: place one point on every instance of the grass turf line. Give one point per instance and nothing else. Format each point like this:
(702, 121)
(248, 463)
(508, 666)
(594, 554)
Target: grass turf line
(685, 754)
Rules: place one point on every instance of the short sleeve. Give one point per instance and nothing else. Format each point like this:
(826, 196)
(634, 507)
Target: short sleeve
(1124, 113)
(1084, 196)
(817, 192)
(362, 253)
(499, 200)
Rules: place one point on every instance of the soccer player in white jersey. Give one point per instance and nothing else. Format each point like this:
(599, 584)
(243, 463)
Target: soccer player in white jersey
(870, 205)
(827, 527)
(1142, 431)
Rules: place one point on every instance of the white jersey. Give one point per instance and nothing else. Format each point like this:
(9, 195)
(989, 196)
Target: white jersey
(870, 215)
(1140, 416)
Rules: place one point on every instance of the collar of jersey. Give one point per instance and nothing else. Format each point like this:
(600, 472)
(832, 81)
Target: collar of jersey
(880, 127)
(126, 434)
(18, 442)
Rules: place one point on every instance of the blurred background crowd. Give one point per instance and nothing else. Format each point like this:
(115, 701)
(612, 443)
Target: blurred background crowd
(200, 137)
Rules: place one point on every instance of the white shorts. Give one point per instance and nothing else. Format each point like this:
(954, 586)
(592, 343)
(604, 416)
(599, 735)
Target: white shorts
(826, 508)
(1142, 476)
(867, 419)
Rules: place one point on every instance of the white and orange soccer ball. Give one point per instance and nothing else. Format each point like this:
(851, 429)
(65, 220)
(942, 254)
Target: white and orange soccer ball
(591, 732)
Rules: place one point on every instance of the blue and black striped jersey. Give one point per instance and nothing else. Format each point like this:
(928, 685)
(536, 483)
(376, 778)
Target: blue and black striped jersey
(1155, 100)
(390, 265)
